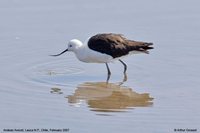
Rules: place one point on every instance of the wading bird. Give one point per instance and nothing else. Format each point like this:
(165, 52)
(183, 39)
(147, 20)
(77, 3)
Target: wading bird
(105, 48)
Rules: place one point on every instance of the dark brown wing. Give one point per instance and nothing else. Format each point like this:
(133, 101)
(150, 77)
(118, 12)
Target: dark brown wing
(116, 45)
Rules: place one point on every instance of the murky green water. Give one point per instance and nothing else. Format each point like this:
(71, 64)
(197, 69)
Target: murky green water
(38, 91)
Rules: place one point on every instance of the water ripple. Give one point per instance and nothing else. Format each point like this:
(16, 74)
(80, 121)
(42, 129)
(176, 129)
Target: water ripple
(53, 72)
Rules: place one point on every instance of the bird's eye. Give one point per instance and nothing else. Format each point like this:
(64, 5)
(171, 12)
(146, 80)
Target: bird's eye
(70, 45)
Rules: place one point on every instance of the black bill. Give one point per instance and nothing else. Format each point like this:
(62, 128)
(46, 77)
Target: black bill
(60, 53)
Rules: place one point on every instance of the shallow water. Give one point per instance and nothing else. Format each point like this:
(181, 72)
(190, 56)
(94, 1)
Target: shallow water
(39, 91)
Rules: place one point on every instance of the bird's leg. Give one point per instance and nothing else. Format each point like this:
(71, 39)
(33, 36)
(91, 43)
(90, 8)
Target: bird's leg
(125, 77)
(109, 73)
(125, 68)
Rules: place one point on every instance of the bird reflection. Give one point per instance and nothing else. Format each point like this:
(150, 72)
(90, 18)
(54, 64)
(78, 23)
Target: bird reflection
(108, 97)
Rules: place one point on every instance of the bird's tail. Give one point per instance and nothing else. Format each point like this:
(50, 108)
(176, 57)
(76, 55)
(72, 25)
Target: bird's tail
(141, 46)
(146, 47)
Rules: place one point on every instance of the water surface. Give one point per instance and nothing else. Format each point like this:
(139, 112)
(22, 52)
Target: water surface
(39, 91)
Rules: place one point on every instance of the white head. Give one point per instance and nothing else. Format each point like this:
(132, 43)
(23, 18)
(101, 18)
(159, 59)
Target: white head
(73, 46)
